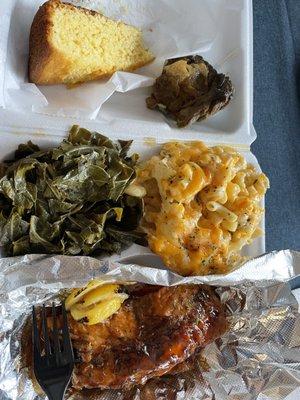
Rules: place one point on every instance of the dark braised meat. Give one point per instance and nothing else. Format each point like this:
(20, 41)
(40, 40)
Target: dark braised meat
(189, 90)
(149, 336)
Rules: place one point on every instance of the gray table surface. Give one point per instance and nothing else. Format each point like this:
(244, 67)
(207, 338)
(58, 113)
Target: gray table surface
(277, 116)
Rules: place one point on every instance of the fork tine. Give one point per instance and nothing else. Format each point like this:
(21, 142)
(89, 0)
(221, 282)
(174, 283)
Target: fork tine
(68, 349)
(35, 334)
(45, 332)
(55, 330)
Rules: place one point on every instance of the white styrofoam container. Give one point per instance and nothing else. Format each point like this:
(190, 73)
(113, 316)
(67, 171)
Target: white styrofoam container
(124, 115)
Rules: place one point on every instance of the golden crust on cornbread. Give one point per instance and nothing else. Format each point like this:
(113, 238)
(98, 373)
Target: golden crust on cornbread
(71, 44)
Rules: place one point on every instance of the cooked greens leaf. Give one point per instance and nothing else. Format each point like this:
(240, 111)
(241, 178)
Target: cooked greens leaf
(43, 235)
(25, 150)
(69, 199)
(12, 228)
(3, 169)
(21, 246)
(126, 237)
(125, 146)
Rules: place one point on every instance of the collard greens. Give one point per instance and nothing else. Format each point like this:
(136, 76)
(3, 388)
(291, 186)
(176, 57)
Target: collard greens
(70, 199)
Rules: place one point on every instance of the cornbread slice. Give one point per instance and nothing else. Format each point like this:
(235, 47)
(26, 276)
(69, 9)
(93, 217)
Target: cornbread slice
(71, 44)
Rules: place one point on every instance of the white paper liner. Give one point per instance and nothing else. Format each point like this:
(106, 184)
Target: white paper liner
(170, 29)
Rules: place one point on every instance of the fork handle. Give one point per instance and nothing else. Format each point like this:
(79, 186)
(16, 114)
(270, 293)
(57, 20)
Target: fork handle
(55, 392)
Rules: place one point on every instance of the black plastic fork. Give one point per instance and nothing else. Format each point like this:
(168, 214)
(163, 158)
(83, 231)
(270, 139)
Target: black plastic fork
(54, 364)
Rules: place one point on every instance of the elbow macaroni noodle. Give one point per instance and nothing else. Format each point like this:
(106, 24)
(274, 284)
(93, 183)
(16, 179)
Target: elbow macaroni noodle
(202, 205)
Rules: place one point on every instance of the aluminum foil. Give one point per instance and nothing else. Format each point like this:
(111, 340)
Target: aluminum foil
(259, 357)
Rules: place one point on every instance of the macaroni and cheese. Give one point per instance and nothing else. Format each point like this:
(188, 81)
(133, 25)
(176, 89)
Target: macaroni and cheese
(202, 205)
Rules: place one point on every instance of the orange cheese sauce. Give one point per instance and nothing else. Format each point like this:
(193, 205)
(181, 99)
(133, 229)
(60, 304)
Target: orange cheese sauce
(184, 183)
